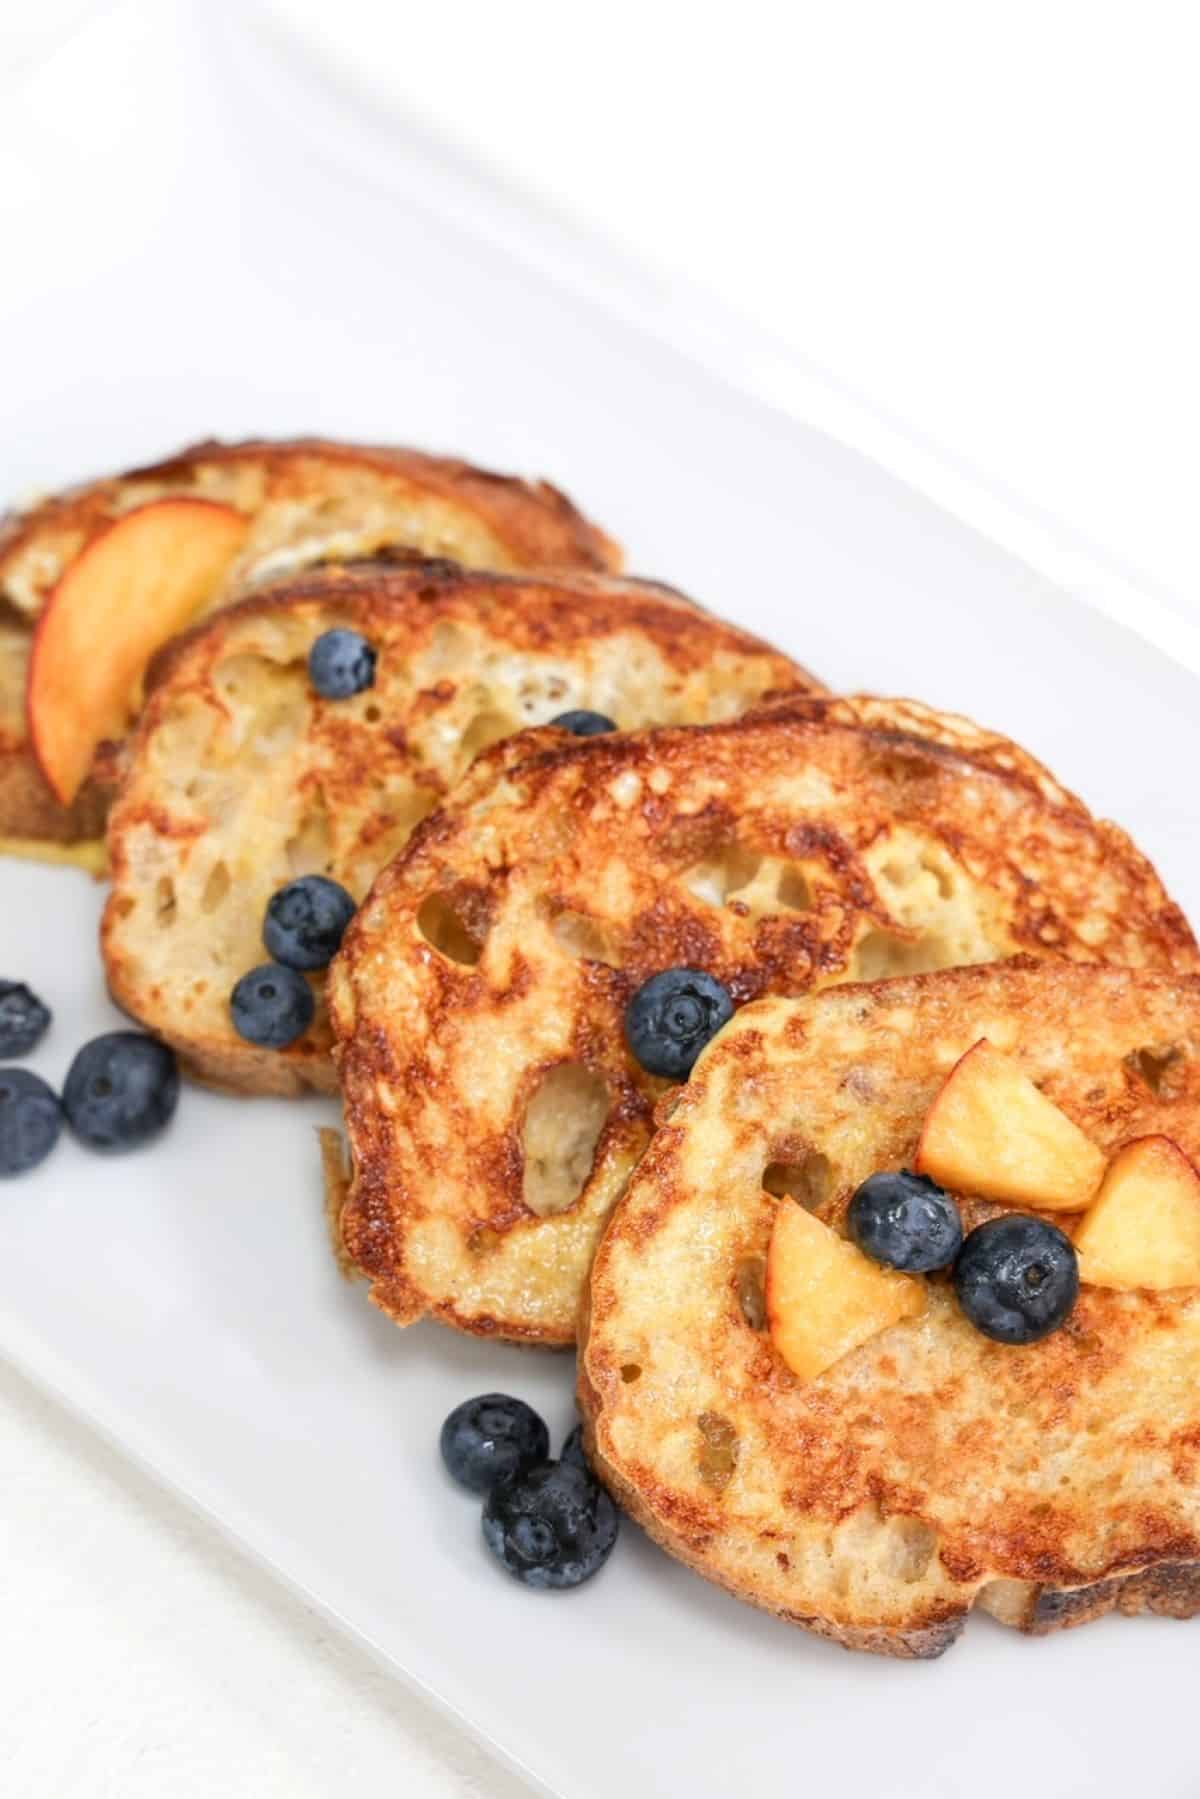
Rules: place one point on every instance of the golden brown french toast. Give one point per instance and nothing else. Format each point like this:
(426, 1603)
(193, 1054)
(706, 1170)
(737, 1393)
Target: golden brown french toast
(931, 1468)
(494, 1108)
(290, 503)
(241, 776)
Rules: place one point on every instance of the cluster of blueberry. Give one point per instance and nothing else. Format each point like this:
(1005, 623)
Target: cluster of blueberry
(120, 1090)
(273, 1005)
(1016, 1278)
(550, 1524)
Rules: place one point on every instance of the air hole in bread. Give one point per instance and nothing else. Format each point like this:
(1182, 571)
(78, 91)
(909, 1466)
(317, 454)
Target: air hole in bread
(584, 937)
(907, 1549)
(216, 888)
(809, 1181)
(267, 701)
(373, 714)
(1159, 1065)
(750, 1285)
(922, 885)
(725, 872)
(879, 956)
(166, 903)
(563, 1122)
(309, 850)
(485, 729)
(450, 647)
(924, 876)
(717, 1456)
(631, 1371)
(445, 929)
(793, 891)
(484, 1240)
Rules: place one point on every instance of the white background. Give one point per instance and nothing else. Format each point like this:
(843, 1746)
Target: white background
(982, 219)
(979, 216)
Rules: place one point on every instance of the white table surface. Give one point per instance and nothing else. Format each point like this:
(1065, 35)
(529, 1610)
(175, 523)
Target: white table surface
(139, 1653)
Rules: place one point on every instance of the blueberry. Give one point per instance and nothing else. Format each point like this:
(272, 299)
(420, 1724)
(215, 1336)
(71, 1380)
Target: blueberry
(582, 723)
(30, 1120)
(121, 1090)
(491, 1438)
(572, 1450)
(306, 921)
(341, 663)
(905, 1221)
(672, 1016)
(1017, 1278)
(24, 1020)
(272, 1006)
(551, 1527)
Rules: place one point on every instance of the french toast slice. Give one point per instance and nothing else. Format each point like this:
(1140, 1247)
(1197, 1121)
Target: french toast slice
(303, 500)
(494, 1109)
(240, 777)
(931, 1469)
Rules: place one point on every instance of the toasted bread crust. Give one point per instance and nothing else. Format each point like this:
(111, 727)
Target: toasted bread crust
(1169, 1590)
(28, 808)
(930, 1469)
(307, 498)
(210, 823)
(859, 830)
(536, 523)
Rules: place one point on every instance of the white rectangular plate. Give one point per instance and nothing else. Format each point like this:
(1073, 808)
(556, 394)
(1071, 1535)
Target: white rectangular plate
(184, 1298)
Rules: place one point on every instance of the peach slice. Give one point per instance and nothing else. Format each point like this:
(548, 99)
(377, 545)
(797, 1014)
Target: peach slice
(992, 1134)
(130, 589)
(824, 1296)
(1144, 1228)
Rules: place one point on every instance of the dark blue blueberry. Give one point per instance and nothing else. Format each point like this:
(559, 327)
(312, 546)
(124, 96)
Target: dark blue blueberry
(30, 1120)
(582, 723)
(1017, 1279)
(551, 1527)
(306, 921)
(24, 1020)
(272, 1006)
(121, 1090)
(905, 1221)
(671, 1018)
(341, 663)
(491, 1438)
(572, 1450)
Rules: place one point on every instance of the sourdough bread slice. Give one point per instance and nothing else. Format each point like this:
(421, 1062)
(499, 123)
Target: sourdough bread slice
(931, 1469)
